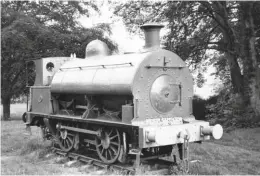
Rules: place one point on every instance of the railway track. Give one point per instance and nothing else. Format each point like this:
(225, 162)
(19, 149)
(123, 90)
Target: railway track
(151, 167)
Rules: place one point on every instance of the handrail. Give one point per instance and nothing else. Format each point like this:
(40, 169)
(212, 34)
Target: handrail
(164, 67)
(91, 66)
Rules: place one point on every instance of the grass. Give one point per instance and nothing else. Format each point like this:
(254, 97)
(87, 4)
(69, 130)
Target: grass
(238, 152)
(222, 160)
(245, 138)
(22, 154)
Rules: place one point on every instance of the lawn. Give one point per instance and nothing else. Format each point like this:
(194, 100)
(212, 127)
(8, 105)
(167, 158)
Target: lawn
(24, 154)
(238, 152)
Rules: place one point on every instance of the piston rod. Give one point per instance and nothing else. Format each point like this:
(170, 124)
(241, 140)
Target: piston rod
(97, 133)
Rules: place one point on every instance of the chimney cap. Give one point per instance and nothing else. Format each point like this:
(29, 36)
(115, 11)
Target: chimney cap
(151, 26)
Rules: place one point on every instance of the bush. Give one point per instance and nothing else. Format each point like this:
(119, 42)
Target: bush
(228, 110)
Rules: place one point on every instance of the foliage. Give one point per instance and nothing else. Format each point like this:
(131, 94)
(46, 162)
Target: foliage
(33, 30)
(222, 69)
(228, 110)
(59, 15)
(228, 28)
(137, 13)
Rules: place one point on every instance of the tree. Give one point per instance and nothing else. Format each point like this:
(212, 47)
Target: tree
(229, 28)
(16, 46)
(34, 30)
(59, 15)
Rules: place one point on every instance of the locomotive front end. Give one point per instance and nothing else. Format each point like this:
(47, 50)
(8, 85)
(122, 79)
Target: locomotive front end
(162, 94)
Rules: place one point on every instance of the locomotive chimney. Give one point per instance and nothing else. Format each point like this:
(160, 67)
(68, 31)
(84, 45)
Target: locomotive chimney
(152, 35)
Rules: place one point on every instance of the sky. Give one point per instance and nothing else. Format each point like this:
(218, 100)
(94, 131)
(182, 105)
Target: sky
(130, 43)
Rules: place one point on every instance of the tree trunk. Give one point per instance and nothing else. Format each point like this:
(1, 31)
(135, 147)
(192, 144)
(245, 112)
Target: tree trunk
(6, 107)
(249, 56)
(235, 72)
(255, 80)
(255, 93)
(255, 84)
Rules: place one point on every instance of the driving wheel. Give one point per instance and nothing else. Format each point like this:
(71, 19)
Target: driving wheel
(66, 140)
(108, 145)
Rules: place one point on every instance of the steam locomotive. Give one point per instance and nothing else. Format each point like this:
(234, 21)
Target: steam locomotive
(135, 104)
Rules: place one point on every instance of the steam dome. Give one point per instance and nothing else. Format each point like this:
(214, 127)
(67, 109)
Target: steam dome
(97, 48)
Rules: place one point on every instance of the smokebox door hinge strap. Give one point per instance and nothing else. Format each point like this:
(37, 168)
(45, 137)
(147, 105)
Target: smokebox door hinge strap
(164, 64)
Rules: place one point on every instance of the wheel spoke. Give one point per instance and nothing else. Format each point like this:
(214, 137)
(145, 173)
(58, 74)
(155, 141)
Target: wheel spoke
(70, 134)
(70, 140)
(102, 151)
(110, 132)
(113, 149)
(106, 154)
(109, 152)
(68, 143)
(113, 137)
(65, 144)
(114, 143)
